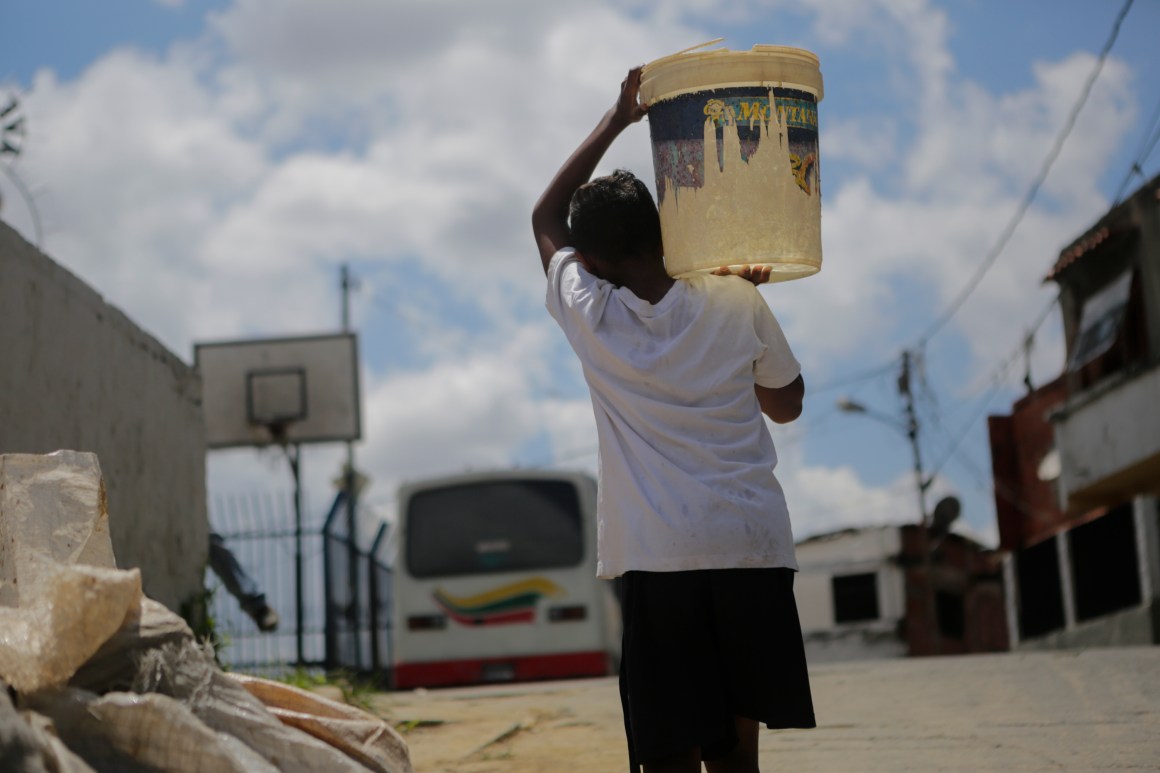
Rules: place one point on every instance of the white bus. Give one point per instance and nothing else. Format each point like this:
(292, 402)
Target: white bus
(495, 580)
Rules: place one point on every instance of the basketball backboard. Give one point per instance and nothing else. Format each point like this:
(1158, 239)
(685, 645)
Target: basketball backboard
(280, 390)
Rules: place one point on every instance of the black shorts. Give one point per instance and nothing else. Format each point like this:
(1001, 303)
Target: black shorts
(703, 646)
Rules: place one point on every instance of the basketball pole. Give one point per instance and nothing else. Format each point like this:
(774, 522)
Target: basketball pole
(293, 454)
(347, 284)
(299, 611)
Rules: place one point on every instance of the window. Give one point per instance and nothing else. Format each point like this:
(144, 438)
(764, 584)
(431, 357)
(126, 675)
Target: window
(1040, 589)
(494, 526)
(1112, 333)
(1100, 322)
(1105, 566)
(951, 614)
(855, 598)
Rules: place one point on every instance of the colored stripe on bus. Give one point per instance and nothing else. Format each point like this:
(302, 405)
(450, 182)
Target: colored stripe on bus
(511, 603)
(447, 673)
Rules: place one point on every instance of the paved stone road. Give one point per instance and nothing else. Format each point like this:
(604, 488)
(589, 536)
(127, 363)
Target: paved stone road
(1088, 710)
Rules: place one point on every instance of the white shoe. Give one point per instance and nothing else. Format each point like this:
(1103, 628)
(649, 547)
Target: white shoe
(267, 619)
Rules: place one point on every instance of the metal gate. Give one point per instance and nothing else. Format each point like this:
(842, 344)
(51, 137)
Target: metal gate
(346, 590)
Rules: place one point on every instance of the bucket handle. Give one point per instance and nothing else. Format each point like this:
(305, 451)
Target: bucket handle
(699, 45)
(679, 53)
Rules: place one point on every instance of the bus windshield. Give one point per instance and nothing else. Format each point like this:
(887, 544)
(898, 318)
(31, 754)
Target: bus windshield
(494, 526)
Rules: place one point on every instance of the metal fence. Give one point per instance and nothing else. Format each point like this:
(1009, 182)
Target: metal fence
(345, 589)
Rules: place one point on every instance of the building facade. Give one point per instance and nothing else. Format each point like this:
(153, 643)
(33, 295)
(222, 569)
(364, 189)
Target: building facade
(864, 594)
(1077, 462)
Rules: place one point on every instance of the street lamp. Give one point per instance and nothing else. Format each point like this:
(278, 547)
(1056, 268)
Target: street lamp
(848, 405)
(909, 429)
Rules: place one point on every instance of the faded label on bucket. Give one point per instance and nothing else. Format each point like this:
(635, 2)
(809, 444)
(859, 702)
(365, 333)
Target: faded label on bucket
(681, 142)
(737, 179)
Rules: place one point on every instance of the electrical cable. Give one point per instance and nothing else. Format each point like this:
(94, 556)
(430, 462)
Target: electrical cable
(990, 259)
(850, 380)
(1025, 205)
(1021, 211)
(996, 488)
(996, 377)
(1147, 144)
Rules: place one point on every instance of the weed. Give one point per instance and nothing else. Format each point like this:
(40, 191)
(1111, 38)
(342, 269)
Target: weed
(195, 611)
(304, 678)
(407, 725)
(355, 691)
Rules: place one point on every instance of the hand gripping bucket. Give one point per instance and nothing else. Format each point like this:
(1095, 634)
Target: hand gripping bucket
(735, 152)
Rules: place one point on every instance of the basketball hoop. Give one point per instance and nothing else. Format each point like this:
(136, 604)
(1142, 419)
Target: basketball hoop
(277, 430)
(284, 392)
(280, 391)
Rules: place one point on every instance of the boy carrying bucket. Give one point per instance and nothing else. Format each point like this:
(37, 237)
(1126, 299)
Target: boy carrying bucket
(689, 511)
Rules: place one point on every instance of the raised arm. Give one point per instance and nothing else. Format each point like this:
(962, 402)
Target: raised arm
(550, 215)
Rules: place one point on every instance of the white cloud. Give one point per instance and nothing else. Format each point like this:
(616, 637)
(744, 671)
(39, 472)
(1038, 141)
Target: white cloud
(137, 166)
(824, 500)
(871, 144)
(211, 193)
(469, 411)
(969, 168)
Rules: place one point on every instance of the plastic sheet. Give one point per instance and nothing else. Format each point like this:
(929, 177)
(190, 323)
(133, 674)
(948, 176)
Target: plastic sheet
(108, 680)
(116, 665)
(187, 673)
(62, 622)
(362, 736)
(61, 595)
(28, 744)
(52, 513)
(126, 731)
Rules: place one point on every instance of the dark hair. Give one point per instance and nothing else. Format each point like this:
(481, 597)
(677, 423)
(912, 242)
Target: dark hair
(614, 218)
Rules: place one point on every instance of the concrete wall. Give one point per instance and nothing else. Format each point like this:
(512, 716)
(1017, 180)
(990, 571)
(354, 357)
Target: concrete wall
(863, 551)
(1026, 505)
(1130, 628)
(1109, 441)
(1135, 626)
(76, 374)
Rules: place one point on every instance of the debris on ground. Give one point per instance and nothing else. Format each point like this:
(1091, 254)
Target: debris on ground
(100, 677)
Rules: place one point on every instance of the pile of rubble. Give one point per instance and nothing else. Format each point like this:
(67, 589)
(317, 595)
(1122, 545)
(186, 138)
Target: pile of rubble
(99, 677)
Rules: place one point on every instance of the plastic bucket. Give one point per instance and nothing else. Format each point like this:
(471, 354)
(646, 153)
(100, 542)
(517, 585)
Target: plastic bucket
(735, 153)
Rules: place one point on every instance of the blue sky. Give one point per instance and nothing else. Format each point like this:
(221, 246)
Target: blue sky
(208, 166)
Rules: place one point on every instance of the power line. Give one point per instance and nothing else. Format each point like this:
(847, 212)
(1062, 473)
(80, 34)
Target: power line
(1147, 144)
(996, 376)
(997, 488)
(855, 378)
(1146, 147)
(994, 253)
(1025, 205)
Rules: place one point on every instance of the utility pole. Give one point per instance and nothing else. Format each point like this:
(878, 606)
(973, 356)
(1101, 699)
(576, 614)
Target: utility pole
(346, 285)
(904, 389)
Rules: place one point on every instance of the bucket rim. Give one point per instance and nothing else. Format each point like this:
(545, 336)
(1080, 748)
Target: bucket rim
(695, 54)
(804, 64)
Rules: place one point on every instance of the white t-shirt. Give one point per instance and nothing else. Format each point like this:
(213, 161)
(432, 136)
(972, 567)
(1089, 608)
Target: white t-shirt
(686, 461)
